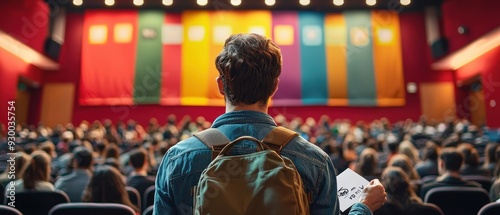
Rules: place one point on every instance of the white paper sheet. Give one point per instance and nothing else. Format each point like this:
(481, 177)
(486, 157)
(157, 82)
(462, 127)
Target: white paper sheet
(350, 186)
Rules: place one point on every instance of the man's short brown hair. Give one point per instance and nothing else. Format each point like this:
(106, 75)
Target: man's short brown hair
(249, 66)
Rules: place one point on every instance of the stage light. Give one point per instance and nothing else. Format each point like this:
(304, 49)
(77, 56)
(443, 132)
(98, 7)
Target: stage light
(138, 2)
(167, 2)
(304, 2)
(405, 2)
(235, 2)
(338, 2)
(371, 2)
(270, 2)
(202, 2)
(109, 2)
(77, 2)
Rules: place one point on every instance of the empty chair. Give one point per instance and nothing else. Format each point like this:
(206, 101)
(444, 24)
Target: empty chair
(490, 209)
(39, 202)
(148, 210)
(458, 200)
(149, 197)
(134, 196)
(86, 208)
(485, 181)
(8, 210)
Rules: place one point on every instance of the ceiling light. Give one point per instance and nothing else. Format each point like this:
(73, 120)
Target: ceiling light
(405, 2)
(167, 2)
(270, 2)
(138, 2)
(235, 2)
(371, 2)
(77, 2)
(202, 2)
(304, 2)
(109, 2)
(338, 2)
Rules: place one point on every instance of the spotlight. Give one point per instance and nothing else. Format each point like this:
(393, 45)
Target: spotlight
(371, 2)
(167, 2)
(235, 2)
(202, 2)
(138, 2)
(405, 2)
(338, 2)
(305, 2)
(77, 2)
(109, 2)
(270, 2)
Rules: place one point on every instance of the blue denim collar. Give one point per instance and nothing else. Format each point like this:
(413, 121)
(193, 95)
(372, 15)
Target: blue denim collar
(242, 117)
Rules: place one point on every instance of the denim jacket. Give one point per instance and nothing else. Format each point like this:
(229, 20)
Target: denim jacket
(181, 167)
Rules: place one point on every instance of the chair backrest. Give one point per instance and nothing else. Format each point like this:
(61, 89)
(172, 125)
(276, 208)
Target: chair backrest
(428, 178)
(39, 202)
(485, 181)
(434, 207)
(149, 197)
(8, 210)
(134, 196)
(86, 208)
(458, 200)
(148, 210)
(492, 208)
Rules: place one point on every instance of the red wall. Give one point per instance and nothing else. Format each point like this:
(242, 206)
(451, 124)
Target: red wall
(479, 16)
(488, 67)
(416, 57)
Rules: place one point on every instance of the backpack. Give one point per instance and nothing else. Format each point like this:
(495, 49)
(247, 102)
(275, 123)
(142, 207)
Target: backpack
(262, 182)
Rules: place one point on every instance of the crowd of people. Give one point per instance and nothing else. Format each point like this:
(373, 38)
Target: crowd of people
(79, 159)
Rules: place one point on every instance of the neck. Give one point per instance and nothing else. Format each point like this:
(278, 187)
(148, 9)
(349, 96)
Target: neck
(454, 174)
(140, 172)
(253, 107)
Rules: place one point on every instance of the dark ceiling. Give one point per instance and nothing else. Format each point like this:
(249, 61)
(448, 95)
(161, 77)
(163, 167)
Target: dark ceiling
(315, 5)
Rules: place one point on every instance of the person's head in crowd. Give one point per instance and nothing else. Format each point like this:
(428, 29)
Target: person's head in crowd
(406, 147)
(30, 148)
(450, 160)
(430, 151)
(107, 186)
(367, 164)
(398, 187)
(139, 160)
(471, 157)
(489, 155)
(248, 75)
(113, 162)
(49, 148)
(38, 169)
(82, 158)
(496, 172)
(21, 161)
(112, 151)
(402, 161)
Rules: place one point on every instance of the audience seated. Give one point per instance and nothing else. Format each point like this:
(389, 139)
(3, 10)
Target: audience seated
(429, 165)
(471, 164)
(139, 178)
(21, 161)
(106, 186)
(490, 158)
(450, 162)
(402, 161)
(74, 183)
(406, 147)
(36, 176)
(367, 165)
(401, 199)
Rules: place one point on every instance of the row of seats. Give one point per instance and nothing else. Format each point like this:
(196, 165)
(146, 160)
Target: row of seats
(41, 202)
(82, 209)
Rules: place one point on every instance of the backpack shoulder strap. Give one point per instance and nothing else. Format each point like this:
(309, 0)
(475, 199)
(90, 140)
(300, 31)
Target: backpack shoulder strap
(214, 139)
(279, 137)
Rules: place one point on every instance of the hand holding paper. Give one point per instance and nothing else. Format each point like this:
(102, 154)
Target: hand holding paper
(374, 195)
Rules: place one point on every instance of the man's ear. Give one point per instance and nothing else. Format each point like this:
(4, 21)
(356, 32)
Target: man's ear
(220, 85)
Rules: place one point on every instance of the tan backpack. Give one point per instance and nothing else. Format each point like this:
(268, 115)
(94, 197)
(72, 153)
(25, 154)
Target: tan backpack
(258, 183)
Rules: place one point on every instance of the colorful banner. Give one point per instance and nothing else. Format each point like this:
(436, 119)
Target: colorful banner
(151, 57)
